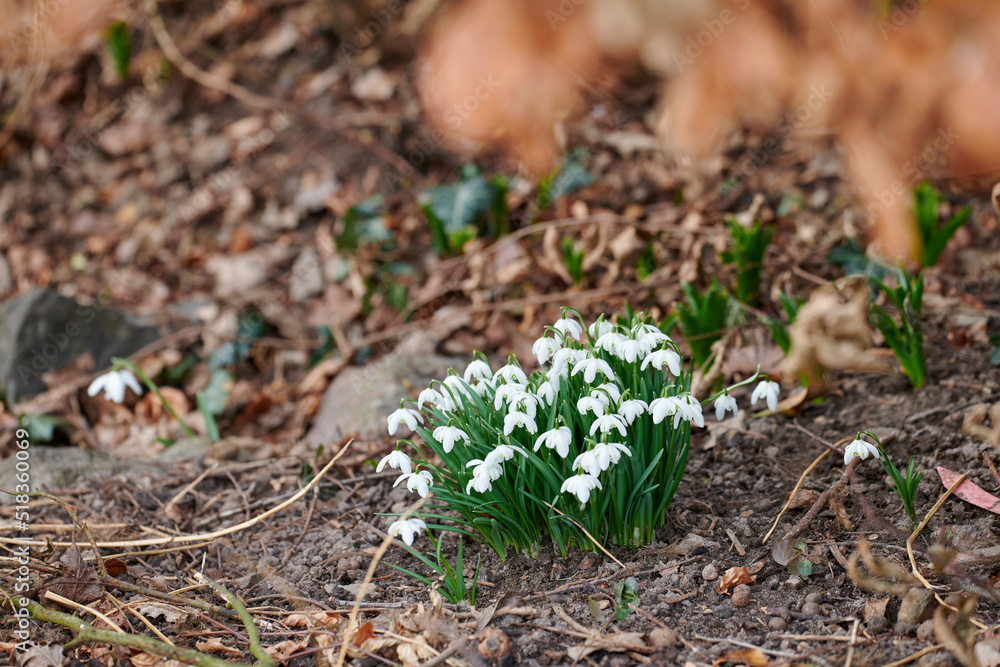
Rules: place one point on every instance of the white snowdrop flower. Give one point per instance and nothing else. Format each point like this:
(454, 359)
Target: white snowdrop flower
(610, 341)
(600, 327)
(449, 435)
(404, 416)
(511, 374)
(607, 453)
(662, 408)
(477, 370)
(589, 367)
(505, 393)
(629, 350)
(558, 439)
(587, 462)
(428, 396)
(769, 392)
(544, 348)
(861, 449)
(723, 404)
(489, 468)
(581, 486)
(456, 383)
(524, 402)
(421, 482)
(605, 423)
(661, 358)
(482, 387)
(568, 327)
(407, 529)
(502, 453)
(607, 391)
(515, 419)
(563, 360)
(395, 459)
(479, 483)
(651, 337)
(114, 384)
(631, 409)
(547, 391)
(595, 405)
(689, 409)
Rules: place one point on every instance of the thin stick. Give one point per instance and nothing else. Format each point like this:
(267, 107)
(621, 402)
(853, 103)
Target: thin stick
(791, 496)
(824, 497)
(352, 621)
(850, 647)
(596, 543)
(927, 518)
(152, 628)
(66, 602)
(253, 637)
(913, 656)
(182, 539)
(183, 492)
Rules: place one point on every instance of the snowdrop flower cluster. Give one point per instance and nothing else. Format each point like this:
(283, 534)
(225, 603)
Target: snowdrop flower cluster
(517, 455)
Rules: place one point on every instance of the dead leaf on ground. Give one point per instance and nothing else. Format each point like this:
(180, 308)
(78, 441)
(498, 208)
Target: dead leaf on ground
(318, 617)
(365, 632)
(975, 423)
(216, 646)
(803, 498)
(77, 583)
(753, 657)
(282, 651)
(40, 656)
(874, 608)
(969, 491)
(735, 576)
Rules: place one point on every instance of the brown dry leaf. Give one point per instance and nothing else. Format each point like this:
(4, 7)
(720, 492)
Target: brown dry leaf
(365, 632)
(169, 613)
(874, 608)
(735, 576)
(803, 498)
(553, 256)
(144, 659)
(282, 651)
(617, 642)
(77, 583)
(150, 409)
(215, 646)
(836, 505)
(987, 649)
(975, 423)
(310, 619)
(39, 656)
(753, 657)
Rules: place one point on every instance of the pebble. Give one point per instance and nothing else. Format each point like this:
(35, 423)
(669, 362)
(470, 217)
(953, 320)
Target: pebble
(776, 624)
(348, 564)
(709, 573)
(811, 608)
(925, 631)
(741, 595)
(877, 623)
(815, 597)
(663, 637)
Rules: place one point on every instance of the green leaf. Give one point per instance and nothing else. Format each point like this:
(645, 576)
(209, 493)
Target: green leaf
(805, 568)
(571, 177)
(178, 372)
(118, 40)
(41, 427)
(456, 208)
(364, 223)
(852, 259)
(626, 593)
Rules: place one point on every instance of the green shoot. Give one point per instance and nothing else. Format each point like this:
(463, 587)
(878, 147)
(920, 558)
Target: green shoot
(748, 247)
(934, 237)
(119, 43)
(450, 580)
(778, 329)
(703, 319)
(904, 485)
(906, 339)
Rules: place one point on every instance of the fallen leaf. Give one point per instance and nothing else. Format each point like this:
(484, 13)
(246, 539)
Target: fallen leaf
(77, 582)
(282, 651)
(330, 619)
(735, 576)
(969, 491)
(366, 631)
(169, 613)
(215, 646)
(874, 608)
(114, 566)
(747, 656)
(803, 498)
(40, 656)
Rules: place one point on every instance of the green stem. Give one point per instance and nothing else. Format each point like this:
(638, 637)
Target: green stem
(253, 637)
(125, 363)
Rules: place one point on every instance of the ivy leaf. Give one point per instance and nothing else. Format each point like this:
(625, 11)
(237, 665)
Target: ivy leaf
(784, 550)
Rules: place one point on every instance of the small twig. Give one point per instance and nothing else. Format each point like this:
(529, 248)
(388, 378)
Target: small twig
(442, 657)
(914, 656)
(816, 508)
(596, 543)
(993, 468)
(791, 496)
(850, 646)
(833, 447)
(253, 637)
(66, 602)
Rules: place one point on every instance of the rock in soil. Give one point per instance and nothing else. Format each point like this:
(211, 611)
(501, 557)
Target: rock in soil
(741, 595)
(709, 573)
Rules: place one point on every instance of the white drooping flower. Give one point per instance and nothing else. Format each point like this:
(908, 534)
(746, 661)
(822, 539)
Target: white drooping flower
(568, 327)
(515, 419)
(587, 462)
(689, 409)
(547, 391)
(651, 337)
(558, 439)
(563, 360)
(404, 416)
(590, 366)
(595, 405)
(407, 529)
(429, 396)
(861, 449)
(607, 453)
(480, 483)
(642, 329)
(395, 459)
(664, 407)
(477, 370)
(600, 327)
(544, 348)
(420, 482)
(114, 384)
(631, 409)
(605, 423)
(482, 387)
(607, 391)
(581, 486)
(769, 392)
(489, 468)
(511, 374)
(505, 393)
(525, 402)
(629, 350)
(724, 404)
(503, 453)
(661, 358)
(610, 341)
(449, 435)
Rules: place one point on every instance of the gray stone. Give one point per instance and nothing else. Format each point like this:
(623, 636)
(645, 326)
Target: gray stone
(360, 398)
(41, 331)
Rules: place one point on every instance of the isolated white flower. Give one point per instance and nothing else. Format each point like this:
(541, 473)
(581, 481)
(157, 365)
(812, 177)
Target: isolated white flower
(631, 409)
(558, 439)
(515, 419)
(629, 350)
(429, 396)
(408, 529)
(768, 391)
(544, 348)
(421, 482)
(511, 374)
(595, 405)
(605, 423)
(547, 391)
(723, 404)
(395, 459)
(581, 486)
(607, 391)
(861, 449)
(404, 416)
(590, 368)
(610, 341)
(689, 408)
(477, 370)
(599, 328)
(662, 408)
(607, 453)
(114, 383)
(661, 358)
(449, 435)
(569, 327)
